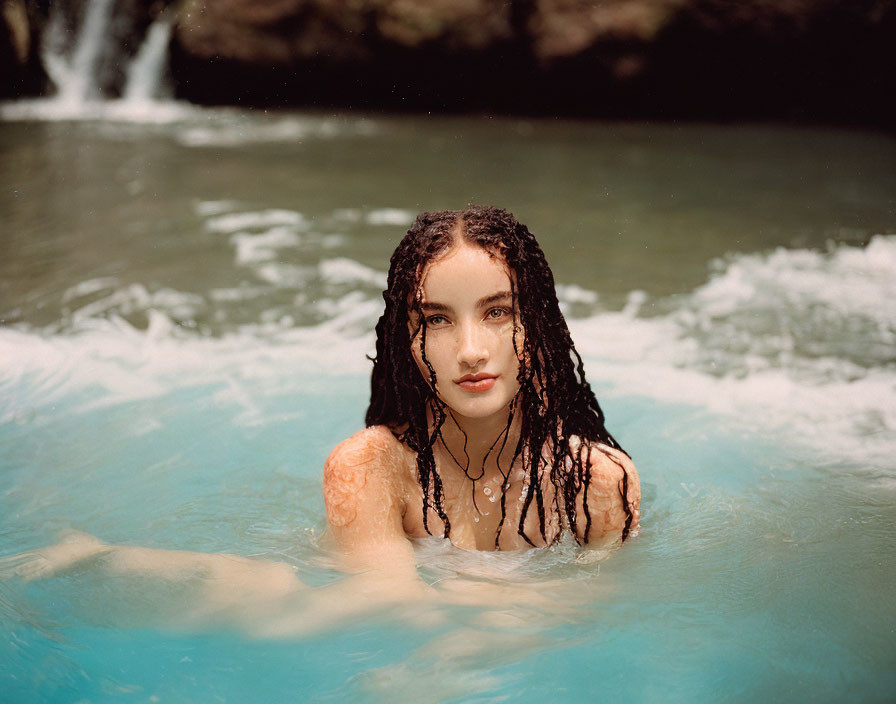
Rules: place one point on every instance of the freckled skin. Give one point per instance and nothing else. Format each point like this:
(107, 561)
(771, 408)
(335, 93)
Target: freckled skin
(372, 499)
(608, 468)
(344, 477)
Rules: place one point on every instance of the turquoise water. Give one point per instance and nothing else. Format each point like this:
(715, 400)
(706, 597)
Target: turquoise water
(187, 300)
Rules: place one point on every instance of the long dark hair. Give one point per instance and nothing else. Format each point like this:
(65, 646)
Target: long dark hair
(555, 402)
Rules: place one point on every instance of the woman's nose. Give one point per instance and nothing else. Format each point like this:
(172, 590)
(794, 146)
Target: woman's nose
(472, 350)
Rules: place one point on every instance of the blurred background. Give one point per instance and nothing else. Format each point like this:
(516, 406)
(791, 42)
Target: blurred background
(198, 202)
(811, 61)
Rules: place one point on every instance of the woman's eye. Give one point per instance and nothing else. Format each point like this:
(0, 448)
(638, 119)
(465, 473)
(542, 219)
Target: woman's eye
(436, 319)
(496, 313)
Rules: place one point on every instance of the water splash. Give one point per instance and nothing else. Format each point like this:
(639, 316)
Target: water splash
(711, 351)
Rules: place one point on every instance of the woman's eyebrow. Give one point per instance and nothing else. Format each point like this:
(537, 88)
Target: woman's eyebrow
(442, 308)
(494, 298)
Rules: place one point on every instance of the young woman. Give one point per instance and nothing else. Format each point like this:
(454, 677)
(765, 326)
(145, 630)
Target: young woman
(481, 429)
(481, 425)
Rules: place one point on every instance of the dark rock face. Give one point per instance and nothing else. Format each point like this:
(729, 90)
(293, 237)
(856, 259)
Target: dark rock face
(281, 32)
(808, 60)
(367, 53)
(818, 60)
(802, 59)
(20, 69)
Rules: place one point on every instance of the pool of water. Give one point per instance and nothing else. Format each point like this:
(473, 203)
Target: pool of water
(186, 303)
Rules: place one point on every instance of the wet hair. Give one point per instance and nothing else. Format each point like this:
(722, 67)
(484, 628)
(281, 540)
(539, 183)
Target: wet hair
(554, 404)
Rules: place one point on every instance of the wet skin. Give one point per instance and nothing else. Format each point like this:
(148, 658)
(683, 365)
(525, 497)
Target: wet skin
(470, 329)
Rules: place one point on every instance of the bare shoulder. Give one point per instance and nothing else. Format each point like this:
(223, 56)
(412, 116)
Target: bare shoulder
(364, 447)
(359, 465)
(610, 466)
(614, 493)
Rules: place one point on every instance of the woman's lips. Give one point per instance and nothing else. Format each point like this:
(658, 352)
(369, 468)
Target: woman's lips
(478, 385)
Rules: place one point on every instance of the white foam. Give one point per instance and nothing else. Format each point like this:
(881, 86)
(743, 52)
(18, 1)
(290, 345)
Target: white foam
(131, 299)
(841, 403)
(231, 129)
(754, 344)
(190, 125)
(85, 288)
(341, 270)
(847, 281)
(109, 362)
(263, 247)
(237, 135)
(390, 216)
(332, 241)
(240, 293)
(283, 275)
(571, 293)
(352, 215)
(214, 207)
(234, 222)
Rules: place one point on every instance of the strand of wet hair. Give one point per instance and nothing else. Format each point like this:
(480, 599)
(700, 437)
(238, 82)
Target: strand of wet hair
(505, 484)
(623, 493)
(504, 433)
(465, 468)
(438, 420)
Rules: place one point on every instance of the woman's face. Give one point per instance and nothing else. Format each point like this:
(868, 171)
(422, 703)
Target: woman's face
(467, 302)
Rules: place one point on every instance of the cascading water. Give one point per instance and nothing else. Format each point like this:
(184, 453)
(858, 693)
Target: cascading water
(74, 75)
(146, 73)
(93, 75)
(82, 84)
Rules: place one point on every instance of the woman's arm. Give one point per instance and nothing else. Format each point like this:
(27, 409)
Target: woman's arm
(364, 500)
(363, 493)
(224, 577)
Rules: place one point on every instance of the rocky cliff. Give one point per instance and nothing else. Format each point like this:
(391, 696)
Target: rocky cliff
(826, 60)
(20, 69)
(815, 60)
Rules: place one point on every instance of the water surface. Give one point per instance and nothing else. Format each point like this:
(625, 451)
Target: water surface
(186, 302)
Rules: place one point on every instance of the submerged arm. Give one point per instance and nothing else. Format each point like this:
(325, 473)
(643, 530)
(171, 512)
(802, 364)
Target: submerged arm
(365, 503)
(225, 577)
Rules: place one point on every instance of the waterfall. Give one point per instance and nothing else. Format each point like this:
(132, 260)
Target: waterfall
(75, 67)
(75, 75)
(147, 71)
(88, 48)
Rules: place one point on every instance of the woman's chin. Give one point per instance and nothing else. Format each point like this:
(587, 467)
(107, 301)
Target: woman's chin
(480, 411)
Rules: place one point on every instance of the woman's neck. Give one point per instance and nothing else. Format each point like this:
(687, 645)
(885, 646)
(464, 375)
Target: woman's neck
(489, 443)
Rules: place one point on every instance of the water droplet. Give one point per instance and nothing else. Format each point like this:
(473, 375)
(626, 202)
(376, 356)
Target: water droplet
(492, 498)
(486, 491)
(476, 519)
